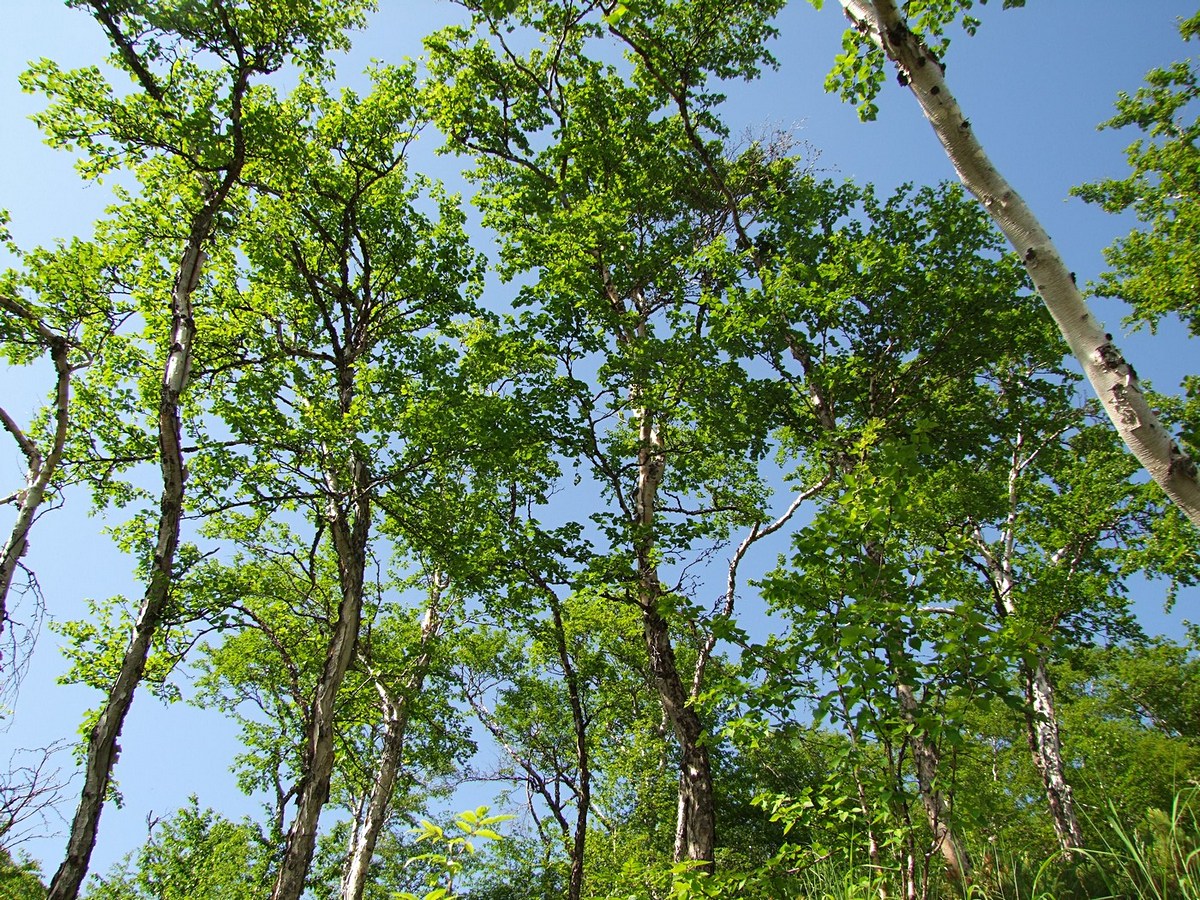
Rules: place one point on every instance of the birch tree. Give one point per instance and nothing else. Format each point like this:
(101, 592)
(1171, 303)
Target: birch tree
(60, 304)
(399, 686)
(913, 41)
(1070, 531)
(597, 194)
(348, 283)
(187, 132)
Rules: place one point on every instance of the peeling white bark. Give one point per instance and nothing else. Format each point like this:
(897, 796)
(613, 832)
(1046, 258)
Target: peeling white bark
(103, 749)
(1112, 378)
(1041, 720)
(395, 709)
(40, 468)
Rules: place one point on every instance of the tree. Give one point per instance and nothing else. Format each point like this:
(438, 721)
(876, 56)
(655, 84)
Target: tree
(188, 134)
(59, 304)
(360, 382)
(880, 30)
(192, 855)
(1152, 269)
(20, 879)
(342, 295)
(603, 198)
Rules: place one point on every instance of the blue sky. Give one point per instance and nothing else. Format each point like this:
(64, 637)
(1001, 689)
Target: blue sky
(1035, 83)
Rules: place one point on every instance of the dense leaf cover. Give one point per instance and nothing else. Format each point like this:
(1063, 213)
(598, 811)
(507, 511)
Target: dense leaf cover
(409, 535)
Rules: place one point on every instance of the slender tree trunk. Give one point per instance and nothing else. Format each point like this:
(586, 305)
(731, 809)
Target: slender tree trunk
(1041, 724)
(350, 531)
(39, 468)
(395, 726)
(102, 740)
(1113, 379)
(695, 825)
(583, 797)
(937, 810)
(1041, 720)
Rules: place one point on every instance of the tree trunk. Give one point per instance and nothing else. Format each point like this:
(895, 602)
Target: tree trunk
(1041, 724)
(1113, 379)
(937, 810)
(1041, 721)
(395, 726)
(695, 824)
(350, 542)
(39, 469)
(583, 798)
(102, 740)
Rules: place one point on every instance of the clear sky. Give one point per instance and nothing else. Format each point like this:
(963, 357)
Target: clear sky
(1035, 83)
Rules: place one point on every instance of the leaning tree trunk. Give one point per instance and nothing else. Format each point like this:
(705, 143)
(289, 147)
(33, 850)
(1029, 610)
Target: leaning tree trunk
(395, 727)
(695, 825)
(40, 468)
(102, 740)
(1113, 379)
(350, 529)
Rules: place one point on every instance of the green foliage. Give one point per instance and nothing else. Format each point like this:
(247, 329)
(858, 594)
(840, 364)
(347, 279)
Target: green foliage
(192, 855)
(20, 878)
(1160, 859)
(514, 499)
(450, 850)
(1154, 268)
(858, 72)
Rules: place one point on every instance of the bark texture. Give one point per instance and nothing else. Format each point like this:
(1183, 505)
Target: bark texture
(1041, 720)
(1113, 379)
(395, 708)
(40, 468)
(102, 739)
(695, 824)
(1046, 747)
(349, 525)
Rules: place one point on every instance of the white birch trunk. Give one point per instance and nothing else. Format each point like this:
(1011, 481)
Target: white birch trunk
(395, 711)
(40, 468)
(350, 541)
(1041, 720)
(1046, 747)
(102, 740)
(1113, 379)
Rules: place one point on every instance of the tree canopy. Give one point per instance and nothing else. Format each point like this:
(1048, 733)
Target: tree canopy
(724, 527)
